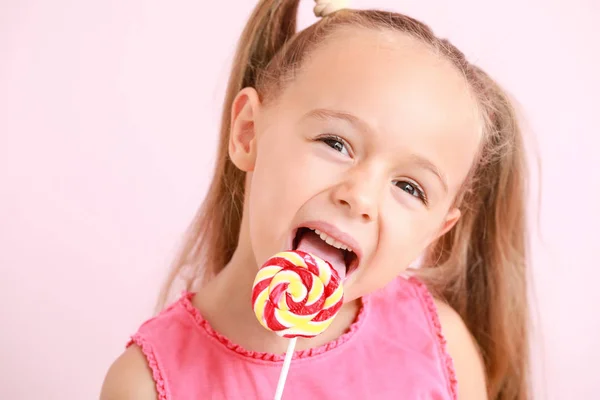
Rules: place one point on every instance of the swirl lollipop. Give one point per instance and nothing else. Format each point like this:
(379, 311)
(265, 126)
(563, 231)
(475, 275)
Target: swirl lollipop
(296, 294)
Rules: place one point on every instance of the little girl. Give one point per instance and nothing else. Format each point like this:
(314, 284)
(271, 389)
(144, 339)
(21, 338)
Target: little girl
(368, 140)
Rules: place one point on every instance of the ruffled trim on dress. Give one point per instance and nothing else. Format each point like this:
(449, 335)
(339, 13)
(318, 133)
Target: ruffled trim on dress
(186, 302)
(430, 307)
(161, 387)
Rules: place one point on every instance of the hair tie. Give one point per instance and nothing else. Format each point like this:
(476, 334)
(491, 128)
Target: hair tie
(325, 7)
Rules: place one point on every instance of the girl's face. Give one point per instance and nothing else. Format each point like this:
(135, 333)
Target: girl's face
(370, 143)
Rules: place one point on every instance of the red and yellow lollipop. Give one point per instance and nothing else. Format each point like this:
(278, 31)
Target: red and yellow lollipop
(296, 294)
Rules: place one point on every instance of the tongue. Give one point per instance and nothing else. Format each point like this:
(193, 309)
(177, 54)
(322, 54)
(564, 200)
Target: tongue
(310, 242)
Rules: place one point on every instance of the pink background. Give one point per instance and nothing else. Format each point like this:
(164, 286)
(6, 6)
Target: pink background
(108, 118)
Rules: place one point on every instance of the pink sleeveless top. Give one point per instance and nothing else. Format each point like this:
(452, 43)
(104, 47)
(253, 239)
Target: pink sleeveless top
(394, 350)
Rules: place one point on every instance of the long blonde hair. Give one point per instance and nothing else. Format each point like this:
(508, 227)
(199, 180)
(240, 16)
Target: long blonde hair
(479, 267)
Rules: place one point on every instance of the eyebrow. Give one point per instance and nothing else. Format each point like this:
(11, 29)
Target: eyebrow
(324, 114)
(428, 165)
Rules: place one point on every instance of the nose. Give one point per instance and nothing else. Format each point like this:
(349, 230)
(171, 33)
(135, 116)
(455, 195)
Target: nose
(359, 196)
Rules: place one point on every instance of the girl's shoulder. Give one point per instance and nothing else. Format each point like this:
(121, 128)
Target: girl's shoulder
(129, 377)
(409, 310)
(458, 348)
(138, 372)
(464, 353)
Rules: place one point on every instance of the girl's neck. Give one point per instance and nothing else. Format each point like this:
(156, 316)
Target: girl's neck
(225, 303)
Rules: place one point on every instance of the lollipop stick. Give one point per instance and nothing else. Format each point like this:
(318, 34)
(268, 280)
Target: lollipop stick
(286, 367)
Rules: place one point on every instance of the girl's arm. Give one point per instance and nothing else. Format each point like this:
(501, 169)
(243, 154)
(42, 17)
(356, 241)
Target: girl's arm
(461, 346)
(129, 378)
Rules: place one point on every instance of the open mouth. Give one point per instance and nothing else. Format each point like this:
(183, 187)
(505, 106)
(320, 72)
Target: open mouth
(341, 257)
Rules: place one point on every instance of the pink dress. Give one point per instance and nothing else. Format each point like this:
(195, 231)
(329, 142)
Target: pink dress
(394, 350)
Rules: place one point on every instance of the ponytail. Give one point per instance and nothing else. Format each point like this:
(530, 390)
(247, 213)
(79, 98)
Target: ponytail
(212, 236)
(481, 264)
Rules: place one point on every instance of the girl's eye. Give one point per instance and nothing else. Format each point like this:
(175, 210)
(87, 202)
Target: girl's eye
(413, 189)
(336, 143)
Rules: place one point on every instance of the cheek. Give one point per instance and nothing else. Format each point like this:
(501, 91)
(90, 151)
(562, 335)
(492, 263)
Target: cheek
(289, 171)
(278, 176)
(404, 236)
(284, 178)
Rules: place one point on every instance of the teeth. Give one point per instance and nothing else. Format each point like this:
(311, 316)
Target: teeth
(331, 241)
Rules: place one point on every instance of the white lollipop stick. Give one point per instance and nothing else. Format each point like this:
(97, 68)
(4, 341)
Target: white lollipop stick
(286, 367)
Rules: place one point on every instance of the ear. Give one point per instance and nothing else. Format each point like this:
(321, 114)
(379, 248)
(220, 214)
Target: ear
(451, 219)
(242, 135)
